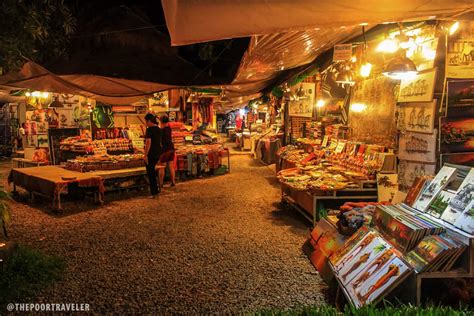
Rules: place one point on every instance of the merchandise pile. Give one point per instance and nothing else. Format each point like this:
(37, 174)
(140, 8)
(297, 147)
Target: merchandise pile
(353, 215)
(105, 162)
(87, 146)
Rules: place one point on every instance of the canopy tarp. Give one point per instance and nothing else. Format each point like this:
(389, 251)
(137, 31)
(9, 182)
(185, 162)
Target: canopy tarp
(209, 20)
(104, 89)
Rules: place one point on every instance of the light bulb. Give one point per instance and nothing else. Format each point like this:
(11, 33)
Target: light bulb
(407, 75)
(36, 94)
(28, 94)
(242, 112)
(365, 69)
(429, 53)
(387, 46)
(320, 103)
(454, 28)
(358, 107)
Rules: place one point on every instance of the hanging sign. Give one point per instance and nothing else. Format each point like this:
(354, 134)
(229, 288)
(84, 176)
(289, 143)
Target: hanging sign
(342, 52)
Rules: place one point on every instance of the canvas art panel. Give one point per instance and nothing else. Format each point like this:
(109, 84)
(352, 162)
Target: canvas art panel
(428, 194)
(418, 89)
(387, 186)
(459, 210)
(381, 282)
(366, 243)
(457, 130)
(159, 102)
(460, 56)
(460, 93)
(375, 124)
(380, 261)
(417, 117)
(42, 141)
(465, 159)
(65, 117)
(440, 203)
(409, 170)
(304, 103)
(418, 147)
(358, 262)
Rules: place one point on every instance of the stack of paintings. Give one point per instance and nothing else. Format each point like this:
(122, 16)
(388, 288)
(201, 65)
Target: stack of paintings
(368, 267)
(435, 253)
(401, 228)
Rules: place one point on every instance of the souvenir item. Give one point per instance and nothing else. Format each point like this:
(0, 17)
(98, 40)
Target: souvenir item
(444, 176)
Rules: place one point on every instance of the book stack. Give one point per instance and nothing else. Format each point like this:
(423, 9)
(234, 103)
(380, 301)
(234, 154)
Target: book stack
(435, 253)
(368, 267)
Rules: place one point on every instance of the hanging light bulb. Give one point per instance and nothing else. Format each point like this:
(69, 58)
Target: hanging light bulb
(454, 28)
(400, 67)
(387, 46)
(320, 103)
(358, 107)
(28, 94)
(365, 69)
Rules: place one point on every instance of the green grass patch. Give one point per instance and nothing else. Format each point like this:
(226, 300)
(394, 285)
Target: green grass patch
(25, 273)
(402, 310)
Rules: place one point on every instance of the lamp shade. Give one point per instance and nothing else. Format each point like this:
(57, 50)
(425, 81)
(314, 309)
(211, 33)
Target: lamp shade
(56, 103)
(400, 67)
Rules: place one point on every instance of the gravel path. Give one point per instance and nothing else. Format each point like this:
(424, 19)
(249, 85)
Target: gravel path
(215, 245)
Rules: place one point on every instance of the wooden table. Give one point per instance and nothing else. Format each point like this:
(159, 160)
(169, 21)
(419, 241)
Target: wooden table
(52, 181)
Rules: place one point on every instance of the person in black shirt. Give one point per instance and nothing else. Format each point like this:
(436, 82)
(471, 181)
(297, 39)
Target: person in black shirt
(152, 151)
(167, 156)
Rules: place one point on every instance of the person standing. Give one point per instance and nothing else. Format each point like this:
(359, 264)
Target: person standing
(152, 151)
(167, 156)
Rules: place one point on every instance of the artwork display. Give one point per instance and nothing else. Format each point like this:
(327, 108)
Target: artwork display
(460, 211)
(159, 102)
(457, 130)
(304, 102)
(42, 141)
(440, 203)
(418, 147)
(415, 190)
(370, 268)
(439, 182)
(460, 56)
(376, 123)
(387, 186)
(379, 283)
(65, 117)
(417, 117)
(460, 93)
(408, 171)
(418, 89)
(465, 159)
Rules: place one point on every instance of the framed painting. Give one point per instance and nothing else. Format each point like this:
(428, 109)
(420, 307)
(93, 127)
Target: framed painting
(417, 117)
(418, 89)
(418, 147)
(465, 159)
(459, 58)
(460, 93)
(159, 102)
(457, 130)
(303, 104)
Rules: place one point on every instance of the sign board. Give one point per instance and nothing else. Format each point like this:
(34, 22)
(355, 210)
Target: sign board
(342, 52)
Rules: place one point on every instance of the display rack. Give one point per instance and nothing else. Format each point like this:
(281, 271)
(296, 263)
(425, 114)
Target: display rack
(311, 203)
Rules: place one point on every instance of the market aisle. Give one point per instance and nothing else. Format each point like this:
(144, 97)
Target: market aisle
(209, 246)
